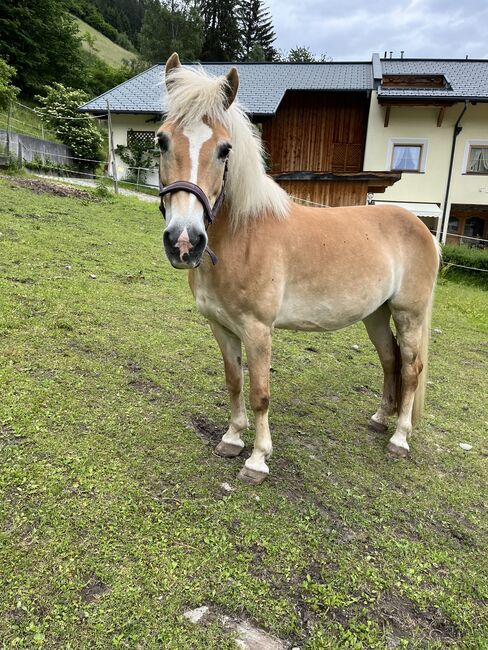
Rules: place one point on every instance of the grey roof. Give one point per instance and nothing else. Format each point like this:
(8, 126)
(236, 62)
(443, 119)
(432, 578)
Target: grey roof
(467, 79)
(261, 89)
(263, 85)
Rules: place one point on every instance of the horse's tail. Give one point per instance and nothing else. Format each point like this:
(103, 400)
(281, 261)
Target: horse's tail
(418, 402)
(419, 399)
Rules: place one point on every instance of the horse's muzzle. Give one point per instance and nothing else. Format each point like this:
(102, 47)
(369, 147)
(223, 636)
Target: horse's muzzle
(184, 248)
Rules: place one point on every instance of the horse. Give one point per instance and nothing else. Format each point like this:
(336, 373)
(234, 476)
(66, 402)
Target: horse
(259, 261)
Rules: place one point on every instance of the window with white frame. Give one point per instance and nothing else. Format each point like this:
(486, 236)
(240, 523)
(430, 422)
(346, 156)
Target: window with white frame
(406, 157)
(477, 159)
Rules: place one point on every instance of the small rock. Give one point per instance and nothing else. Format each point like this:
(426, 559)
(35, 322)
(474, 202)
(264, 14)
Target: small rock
(93, 276)
(196, 615)
(465, 446)
(68, 267)
(257, 498)
(437, 330)
(226, 489)
(355, 348)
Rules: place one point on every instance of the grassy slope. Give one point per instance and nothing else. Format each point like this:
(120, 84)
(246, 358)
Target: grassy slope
(25, 121)
(106, 49)
(111, 519)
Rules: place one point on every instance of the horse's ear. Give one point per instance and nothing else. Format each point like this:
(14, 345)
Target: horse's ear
(173, 63)
(231, 86)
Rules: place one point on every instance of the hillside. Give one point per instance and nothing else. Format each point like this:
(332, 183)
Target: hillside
(103, 47)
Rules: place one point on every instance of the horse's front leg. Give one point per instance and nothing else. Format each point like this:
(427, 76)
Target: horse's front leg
(231, 444)
(257, 341)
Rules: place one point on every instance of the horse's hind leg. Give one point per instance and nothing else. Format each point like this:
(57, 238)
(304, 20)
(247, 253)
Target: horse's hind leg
(379, 331)
(231, 444)
(409, 328)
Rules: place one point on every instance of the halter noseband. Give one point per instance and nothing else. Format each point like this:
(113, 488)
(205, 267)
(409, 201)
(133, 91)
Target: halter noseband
(209, 212)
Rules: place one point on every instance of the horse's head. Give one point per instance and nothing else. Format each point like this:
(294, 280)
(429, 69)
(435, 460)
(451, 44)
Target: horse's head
(194, 149)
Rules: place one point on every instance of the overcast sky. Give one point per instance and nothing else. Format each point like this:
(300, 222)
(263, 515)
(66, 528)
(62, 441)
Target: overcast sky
(353, 29)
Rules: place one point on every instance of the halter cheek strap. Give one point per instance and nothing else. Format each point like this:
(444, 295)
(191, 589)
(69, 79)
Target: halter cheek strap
(209, 212)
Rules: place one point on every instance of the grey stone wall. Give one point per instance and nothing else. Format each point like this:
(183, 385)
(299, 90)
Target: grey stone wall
(26, 147)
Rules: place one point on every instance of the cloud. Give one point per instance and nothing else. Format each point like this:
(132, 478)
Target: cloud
(352, 30)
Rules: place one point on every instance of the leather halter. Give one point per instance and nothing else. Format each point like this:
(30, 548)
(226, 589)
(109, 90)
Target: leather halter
(209, 212)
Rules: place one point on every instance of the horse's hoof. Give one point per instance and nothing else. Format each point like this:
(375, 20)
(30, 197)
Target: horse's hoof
(379, 427)
(228, 450)
(396, 451)
(252, 476)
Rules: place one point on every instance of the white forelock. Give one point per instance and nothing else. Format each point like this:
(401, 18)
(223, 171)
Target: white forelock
(250, 193)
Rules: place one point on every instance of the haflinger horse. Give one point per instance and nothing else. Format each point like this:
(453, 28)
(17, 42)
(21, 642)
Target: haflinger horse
(274, 263)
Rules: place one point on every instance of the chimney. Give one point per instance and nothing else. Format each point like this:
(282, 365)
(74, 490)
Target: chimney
(391, 54)
(401, 54)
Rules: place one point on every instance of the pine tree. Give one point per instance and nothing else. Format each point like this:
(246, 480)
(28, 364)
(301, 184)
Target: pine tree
(222, 31)
(171, 27)
(257, 32)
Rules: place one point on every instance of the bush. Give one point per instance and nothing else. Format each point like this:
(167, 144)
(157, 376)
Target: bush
(465, 256)
(76, 130)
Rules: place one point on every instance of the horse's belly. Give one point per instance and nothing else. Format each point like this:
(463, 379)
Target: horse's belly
(322, 314)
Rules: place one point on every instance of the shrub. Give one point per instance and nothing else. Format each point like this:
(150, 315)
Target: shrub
(465, 256)
(76, 130)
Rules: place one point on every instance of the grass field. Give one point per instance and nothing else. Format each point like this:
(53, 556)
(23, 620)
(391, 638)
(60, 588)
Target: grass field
(112, 518)
(106, 49)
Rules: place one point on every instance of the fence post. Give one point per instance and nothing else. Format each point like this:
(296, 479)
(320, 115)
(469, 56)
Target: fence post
(138, 172)
(9, 116)
(111, 148)
(20, 157)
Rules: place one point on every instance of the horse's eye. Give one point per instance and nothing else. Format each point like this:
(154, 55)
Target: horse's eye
(163, 141)
(223, 150)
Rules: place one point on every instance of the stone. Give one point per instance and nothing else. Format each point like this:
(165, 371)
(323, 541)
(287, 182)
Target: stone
(93, 276)
(437, 330)
(226, 489)
(197, 615)
(465, 446)
(250, 637)
(355, 348)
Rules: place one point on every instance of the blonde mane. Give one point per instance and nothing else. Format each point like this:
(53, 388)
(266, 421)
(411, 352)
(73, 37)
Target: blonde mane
(194, 95)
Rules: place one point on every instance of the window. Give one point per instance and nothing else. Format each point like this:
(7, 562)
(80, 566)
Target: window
(474, 227)
(453, 225)
(145, 138)
(477, 159)
(406, 157)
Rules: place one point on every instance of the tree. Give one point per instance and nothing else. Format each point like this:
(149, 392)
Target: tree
(301, 54)
(77, 130)
(168, 28)
(222, 34)
(40, 39)
(257, 32)
(8, 92)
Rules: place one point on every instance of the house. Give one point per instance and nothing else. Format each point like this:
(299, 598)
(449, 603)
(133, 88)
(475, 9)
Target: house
(412, 132)
(313, 118)
(429, 119)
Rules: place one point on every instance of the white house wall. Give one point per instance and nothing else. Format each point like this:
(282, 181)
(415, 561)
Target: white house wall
(420, 123)
(121, 123)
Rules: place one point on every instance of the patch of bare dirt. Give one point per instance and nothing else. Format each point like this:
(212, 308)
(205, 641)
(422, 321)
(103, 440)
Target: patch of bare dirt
(93, 589)
(400, 615)
(146, 387)
(41, 186)
(209, 432)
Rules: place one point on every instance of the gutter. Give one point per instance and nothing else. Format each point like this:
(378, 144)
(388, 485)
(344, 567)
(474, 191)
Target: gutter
(457, 130)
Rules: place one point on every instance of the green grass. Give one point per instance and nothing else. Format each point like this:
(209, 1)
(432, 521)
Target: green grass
(112, 523)
(26, 122)
(103, 47)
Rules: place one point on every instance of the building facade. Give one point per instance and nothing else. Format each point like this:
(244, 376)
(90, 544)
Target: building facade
(407, 131)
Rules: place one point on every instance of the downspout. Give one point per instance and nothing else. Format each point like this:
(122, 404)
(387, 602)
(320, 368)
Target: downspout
(456, 132)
